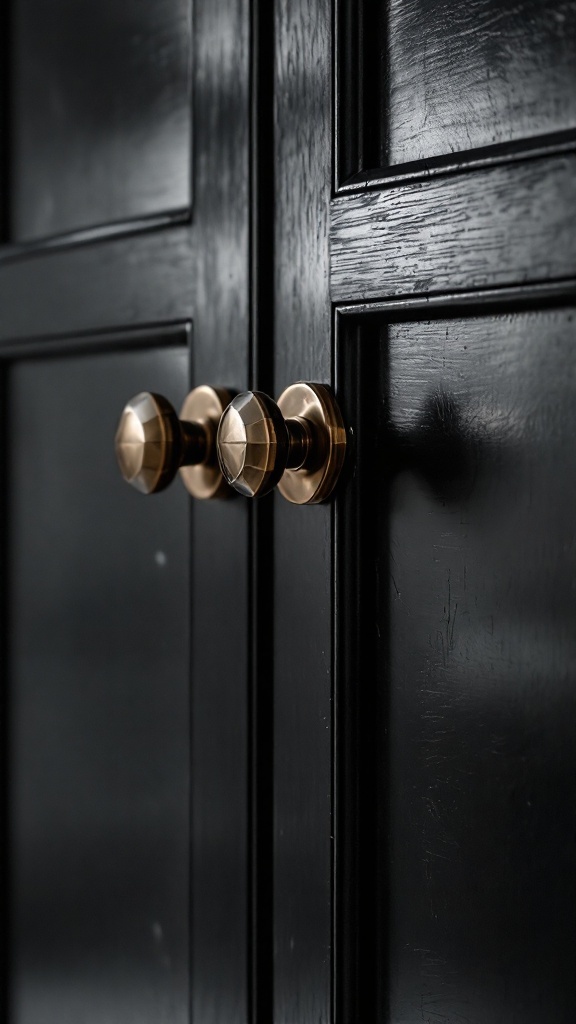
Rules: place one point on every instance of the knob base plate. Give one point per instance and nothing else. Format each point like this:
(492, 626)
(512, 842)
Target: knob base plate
(205, 405)
(316, 404)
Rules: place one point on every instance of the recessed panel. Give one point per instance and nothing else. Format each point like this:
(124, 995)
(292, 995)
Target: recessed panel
(477, 677)
(98, 687)
(463, 76)
(437, 79)
(101, 112)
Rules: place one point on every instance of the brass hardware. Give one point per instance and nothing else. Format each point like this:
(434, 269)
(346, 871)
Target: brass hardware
(152, 443)
(298, 443)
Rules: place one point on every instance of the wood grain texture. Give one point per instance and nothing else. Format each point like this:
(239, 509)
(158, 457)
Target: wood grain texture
(302, 540)
(463, 76)
(220, 579)
(476, 555)
(100, 113)
(502, 226)
(196, 272)
(145, 279)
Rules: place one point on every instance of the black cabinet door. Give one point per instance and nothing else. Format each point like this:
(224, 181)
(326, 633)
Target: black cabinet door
(424, 623)
(266, 762)
(124, 267)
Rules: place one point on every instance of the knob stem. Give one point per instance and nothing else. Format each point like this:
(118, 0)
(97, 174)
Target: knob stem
(195, 444)
(301, 443)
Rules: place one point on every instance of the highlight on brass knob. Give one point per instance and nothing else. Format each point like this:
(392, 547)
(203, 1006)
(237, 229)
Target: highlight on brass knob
(153, 444)
(298, 443)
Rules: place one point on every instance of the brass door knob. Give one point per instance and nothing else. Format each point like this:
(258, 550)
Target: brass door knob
(298, 443)
(153, 444)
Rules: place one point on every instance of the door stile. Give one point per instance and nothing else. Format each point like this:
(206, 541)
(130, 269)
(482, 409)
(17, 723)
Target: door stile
(221, 581)
(302, 535)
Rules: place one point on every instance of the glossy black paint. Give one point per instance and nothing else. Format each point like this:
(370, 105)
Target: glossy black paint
(460, 77)
(302, 550)
(454, 769)
(100, 128)
(503, 225)
(305, 873)
(98, 735)
(478, 655)
(456, 765)
(218, 285)
(107, 294)
(420, 81)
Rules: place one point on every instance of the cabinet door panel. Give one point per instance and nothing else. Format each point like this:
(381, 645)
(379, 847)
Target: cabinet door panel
(476, 555)
(420, 81)
(101, 119)
(98, 702)
(463, 76)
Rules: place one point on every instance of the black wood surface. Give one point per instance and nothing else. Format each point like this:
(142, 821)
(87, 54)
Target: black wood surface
(100, 127)
(144, 279)
(478, 558)
(302, 541)
(454, 769)
(498, 226)
(364, 846)
(464, 76)
(61, 298)
(456, 756)
(98, 736)
(418, 81)
(221, 609)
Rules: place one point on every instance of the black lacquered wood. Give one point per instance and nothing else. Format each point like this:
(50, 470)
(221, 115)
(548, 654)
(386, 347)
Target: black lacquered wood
(219, 283)
(144, 279)
(501, 226)
(417, 80)
(464, 825)
(302, 536)
(98, 688)
(62, 299)
(297, 914)
(100, 113)
(461, 77)
(481, 767)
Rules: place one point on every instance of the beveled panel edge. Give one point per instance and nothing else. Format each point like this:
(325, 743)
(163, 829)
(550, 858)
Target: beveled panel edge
(506, 226)
(551, 144)
(465, 303)
(354, 904)
(160, 335)
(10, 252)
(145, 279)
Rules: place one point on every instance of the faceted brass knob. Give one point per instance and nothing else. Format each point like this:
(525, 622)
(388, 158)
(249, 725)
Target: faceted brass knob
(153, 444)
(298, 444)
